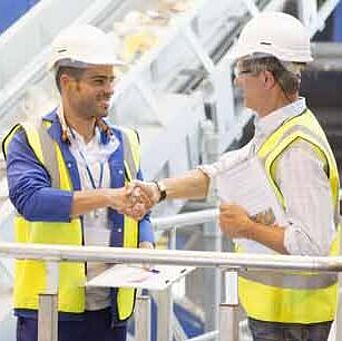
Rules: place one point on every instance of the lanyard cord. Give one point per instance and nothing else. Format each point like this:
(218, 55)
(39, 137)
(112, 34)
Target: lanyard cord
(89, 173)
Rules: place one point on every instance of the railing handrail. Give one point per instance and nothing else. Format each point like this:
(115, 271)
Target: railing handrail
(184, 219)
(229, 260)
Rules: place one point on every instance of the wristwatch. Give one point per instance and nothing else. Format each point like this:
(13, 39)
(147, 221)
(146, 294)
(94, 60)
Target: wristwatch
(162, 190)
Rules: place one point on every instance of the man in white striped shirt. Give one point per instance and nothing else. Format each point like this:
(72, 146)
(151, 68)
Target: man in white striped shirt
(270, 54)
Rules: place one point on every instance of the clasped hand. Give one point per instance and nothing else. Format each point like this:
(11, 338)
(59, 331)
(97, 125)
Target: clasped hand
(138, 198)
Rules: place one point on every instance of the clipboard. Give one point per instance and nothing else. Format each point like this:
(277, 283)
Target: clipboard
(159, 277)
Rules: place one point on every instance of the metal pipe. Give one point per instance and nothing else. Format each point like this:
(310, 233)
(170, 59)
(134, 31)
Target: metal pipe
(231, 288)
(171, 257)
(164, 314)
(228, 310)
(185, 219)
(142, 317)
(48, 317)
(205, 337)
(228, 322)
(173, 238)
(327, 50)
(48, 302)
(164, 301)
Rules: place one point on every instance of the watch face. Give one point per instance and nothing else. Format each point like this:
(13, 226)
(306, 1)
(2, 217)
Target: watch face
(162, 190)
(162, 186)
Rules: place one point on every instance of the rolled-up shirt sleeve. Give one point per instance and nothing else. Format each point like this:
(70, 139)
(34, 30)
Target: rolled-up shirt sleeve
(225, 162)
(30, 188)
(306, 189)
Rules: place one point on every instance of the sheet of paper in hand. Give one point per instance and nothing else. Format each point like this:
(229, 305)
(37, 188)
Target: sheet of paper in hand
(136, 276)
(246, 184)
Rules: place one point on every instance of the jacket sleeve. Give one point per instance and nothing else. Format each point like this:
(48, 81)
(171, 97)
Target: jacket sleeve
(146, 233)
(29, 185)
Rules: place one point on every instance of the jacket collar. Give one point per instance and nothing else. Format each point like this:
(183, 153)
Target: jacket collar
(55, 130)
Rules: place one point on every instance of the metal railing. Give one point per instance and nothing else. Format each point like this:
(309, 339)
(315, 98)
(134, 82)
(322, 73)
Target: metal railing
(230, 263)
(65, 253)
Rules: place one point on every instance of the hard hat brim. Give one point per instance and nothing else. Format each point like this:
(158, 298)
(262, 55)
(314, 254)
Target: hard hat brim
(238, 52)
(83, 65)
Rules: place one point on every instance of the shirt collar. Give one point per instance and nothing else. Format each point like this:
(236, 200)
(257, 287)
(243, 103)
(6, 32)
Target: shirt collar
(59, 127)
(264, 126)
(78, 139)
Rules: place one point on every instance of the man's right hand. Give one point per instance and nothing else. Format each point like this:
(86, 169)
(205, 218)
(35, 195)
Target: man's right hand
(146, 192)
(134, 200)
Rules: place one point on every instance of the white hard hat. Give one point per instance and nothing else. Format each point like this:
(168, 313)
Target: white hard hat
(83, 45)
(274, 33)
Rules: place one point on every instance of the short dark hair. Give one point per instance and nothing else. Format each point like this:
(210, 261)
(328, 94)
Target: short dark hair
(74, 72)
(287, 80)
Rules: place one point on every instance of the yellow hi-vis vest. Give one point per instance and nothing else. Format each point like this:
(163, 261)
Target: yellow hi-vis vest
(284, 296)
(31, 275)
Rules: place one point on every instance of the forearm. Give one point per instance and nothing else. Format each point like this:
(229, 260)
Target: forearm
(86, 201)
(89, 200)
(270, 236)
(192, 185)
(235, 223)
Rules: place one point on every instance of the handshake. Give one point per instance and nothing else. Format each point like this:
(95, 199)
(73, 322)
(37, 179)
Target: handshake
(137, 198)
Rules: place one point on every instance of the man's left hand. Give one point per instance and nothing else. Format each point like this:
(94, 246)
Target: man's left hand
(146, 245)
(234, 221)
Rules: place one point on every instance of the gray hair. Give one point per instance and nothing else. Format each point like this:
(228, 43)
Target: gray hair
(287, 74)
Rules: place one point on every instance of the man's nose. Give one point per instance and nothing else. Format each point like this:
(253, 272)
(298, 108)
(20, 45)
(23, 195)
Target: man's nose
(109, 87)
(237, 81)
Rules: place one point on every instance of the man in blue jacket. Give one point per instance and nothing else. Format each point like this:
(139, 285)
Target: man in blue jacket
(67, 177)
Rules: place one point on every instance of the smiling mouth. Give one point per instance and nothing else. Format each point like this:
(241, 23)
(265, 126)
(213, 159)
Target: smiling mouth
(105, 103)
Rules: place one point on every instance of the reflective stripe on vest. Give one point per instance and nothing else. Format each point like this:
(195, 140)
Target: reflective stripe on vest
(130, 142)
(126, 297)
(292, 281)
(292, 297)
(50, 159)
(30, 277)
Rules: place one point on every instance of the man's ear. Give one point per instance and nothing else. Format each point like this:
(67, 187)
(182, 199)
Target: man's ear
(65, 81)
(269, 80)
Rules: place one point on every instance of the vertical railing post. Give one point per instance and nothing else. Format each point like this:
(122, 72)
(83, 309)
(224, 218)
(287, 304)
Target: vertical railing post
(48, 306)
(228, 326)
(142, 318)
(165, 303)
(164, 314)
(212, 277)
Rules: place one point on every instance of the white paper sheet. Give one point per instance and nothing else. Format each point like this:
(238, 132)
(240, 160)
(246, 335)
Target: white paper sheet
(246, 184)
(136, 276)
